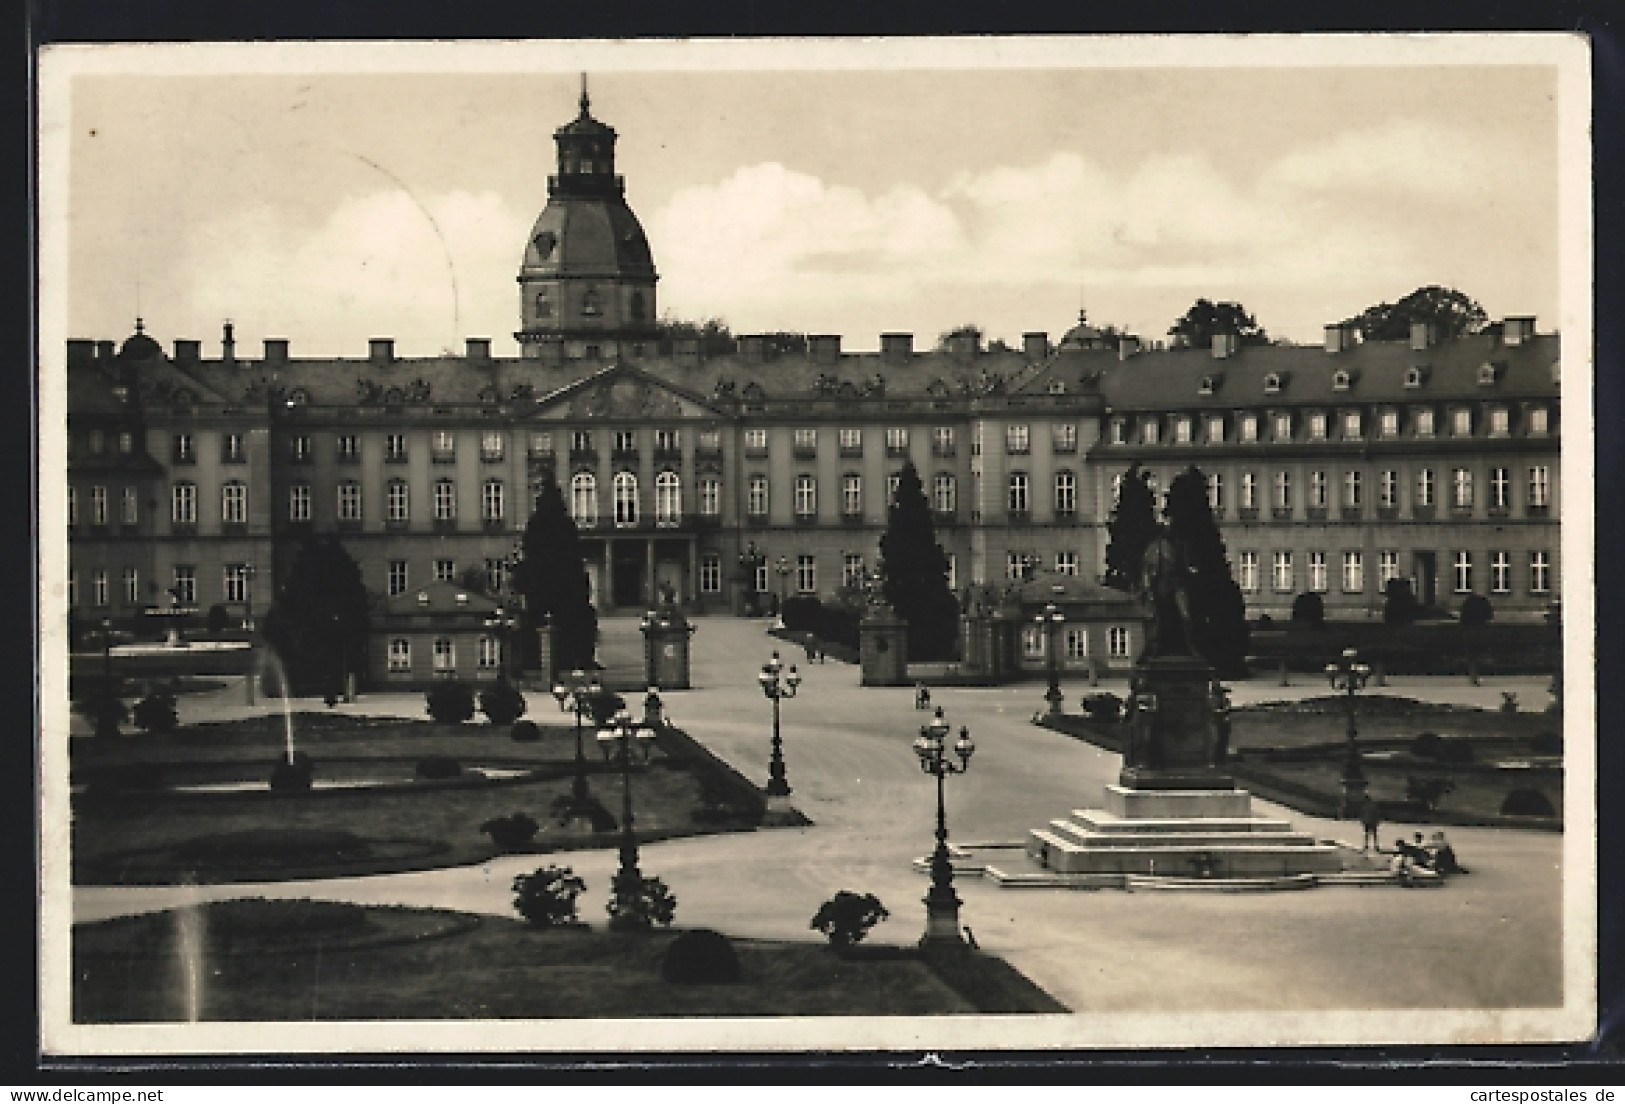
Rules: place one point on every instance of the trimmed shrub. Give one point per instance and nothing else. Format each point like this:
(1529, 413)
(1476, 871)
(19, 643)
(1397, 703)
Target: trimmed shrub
(1428, 745)
(700, 957)
(156, 713)
(1476, 610)
(546, 897)
(502, 703)
(450, 702)
(105, 711)
(438, 766)
(603, 707)
(847, 917)
(1398, 602)
(1527, 802)
(1104, 706)
(525, 732)
(602, 819)
(1427, 791)
(293, 775)
(802, 613)
(217, 620)
(511, 833)
(650, 903)
(1309, 609)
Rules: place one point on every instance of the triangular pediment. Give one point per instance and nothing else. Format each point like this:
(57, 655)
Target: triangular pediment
(622, 392)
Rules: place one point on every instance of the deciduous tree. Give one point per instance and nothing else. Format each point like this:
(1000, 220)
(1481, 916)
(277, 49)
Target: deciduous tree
(1451, 313)
(1197, 326)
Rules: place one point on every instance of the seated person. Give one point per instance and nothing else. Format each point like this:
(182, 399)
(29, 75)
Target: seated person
(1444, 856)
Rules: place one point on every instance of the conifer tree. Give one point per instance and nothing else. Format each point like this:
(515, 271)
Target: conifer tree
(914, 572)
(1218, 611)
(1133, 525)
(554, 581)
(318, 620)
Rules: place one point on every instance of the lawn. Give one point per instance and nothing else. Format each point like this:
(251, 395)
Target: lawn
(1425, 648)
(367, 963)
(128, 829)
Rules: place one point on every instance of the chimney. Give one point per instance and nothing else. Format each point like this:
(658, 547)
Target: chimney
(228, 343)
(381, 350)
(1339, 336)
(964, 345)
(1225, 345)
(1035, 345)
(896, 348)
(276, 350)
(1517, 328)
(825, 348)
(1127, 346)
(478, 348)
(188, 351)
(753, 347)
(105, 350)
(80, 351)
(687, 351)
(1421, 335)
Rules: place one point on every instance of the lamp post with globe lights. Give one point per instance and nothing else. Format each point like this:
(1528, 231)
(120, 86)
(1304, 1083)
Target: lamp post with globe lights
(501, 622)
(776, 689)
(1350, 676)
(576, 691)
(1049, 620)
(941, 902)
(623, 741)
(782, 569)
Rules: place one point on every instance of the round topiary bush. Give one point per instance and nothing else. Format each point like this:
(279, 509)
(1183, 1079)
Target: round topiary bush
(546, 897)
(511, 833)
(501, 703)
(450, 702)
(1428, 745)
(1476, 610)
(700, 957)
(294, 774)
(1527, 802)
(1104, 706)
(1309, 609)
(438, 766)
(847, 917)
(525, 732)
(156, 713)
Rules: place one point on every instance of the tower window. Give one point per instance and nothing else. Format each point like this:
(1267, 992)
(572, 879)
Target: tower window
(544, 305)
(589, 303)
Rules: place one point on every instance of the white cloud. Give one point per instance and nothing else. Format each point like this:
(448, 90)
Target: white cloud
(1404, 157)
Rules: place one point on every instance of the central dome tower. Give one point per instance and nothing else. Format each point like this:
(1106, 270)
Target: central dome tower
(587, 280)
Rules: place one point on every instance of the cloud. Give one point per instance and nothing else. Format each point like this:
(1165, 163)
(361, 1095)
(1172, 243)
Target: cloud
(1401, 158)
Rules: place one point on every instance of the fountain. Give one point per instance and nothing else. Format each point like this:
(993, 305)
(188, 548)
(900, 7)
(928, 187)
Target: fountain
(294, 771)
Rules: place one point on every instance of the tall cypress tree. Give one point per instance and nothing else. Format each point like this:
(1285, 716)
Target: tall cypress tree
(1217, 609)
(1133, 525)
(914, 572)
(554, 581)
(319, 618)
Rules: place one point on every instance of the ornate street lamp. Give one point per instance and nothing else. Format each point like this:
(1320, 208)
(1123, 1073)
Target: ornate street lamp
(501, 622)
(782, 567)
(941, 902)
(1350, 676)
(750, 562)
(576, 691)
(516, 599)
(623, 741)
(777, 690)
(1050, 620)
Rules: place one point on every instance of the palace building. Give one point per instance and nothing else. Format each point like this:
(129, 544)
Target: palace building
(193, 478)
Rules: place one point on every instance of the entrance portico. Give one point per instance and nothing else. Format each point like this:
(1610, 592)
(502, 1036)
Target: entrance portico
(629, 571)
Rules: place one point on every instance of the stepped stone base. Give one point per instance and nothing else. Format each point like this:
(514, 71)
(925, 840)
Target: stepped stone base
(1178, 834)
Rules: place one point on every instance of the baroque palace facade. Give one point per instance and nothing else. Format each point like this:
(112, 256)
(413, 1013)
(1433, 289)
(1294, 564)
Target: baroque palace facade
(193, 478)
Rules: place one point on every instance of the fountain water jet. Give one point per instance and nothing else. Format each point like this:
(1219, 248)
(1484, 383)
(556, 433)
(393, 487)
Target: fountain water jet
(269, 658)
(190, 924)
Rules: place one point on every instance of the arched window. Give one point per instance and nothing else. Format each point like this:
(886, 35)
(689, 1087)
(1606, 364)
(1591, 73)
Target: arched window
(584, 498)
(668, 498)
(626, 498)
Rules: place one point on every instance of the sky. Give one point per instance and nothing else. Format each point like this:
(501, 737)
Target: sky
(821, 190)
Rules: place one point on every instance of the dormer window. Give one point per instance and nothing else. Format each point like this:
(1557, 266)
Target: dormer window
(1057, 387)
(1272, 383)
(1341, 380)
(1208, 386)
(423, 597)
(1487, 374)
(1415, 376)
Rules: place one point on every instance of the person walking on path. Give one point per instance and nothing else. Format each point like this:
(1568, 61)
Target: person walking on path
(1371, 820)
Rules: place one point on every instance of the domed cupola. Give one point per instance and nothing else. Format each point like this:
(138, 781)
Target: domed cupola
(140, 345)
(587, 280)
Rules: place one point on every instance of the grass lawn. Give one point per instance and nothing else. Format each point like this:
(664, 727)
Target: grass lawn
(1424, 648)
(357, 963)
(147, 835)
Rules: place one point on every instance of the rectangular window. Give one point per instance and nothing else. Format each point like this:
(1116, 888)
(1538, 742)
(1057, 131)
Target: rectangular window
(496, 574)
(98, 587)
(299, 502)
(1539, 421)
(1317, 427)
(1247, 571)
(1032, 642)
(1500, 422)
(756, 496)
(711, 573)
(1500, 488)
(1540, 572)
(98, 505)
(1462, 563)
(1249, 491)
(1283, 572)
(943, 493)
(1064, 438)
(1066, 563)
(492, 500)
(710, 496)
(395, 500)
(1283, 490)
(942, 441)
(1539, 486)
(1353, 425)
(397, 577)
(445, 655)
(1066, 494)
(1424, 487)
(668, 441)
(445, 571)
(1461, 423)
(806, 574)
(1215, 428)
(1015, 566)
(1388, 489)
(1317, 490)
(1388, 424)
(184, 453)
(400, 655)
(806, 442)
(1016, 440)
(541, 445)
(806, 496)
(1118, 432)
(234, 504)
(1317, 572)
(132, 586)
(953, 572)
(1461, 488)
(852, 569)
(231, 448)
(234, 580)
(1117, 642)
(445, 500)
(350, 501)
(1017, 501)
(851, 441)
(492, 445)
(1150, 430)
(581, 441)
(348, 448)
(1387, 566)
(1077, 642)
(1424, 423)
(896, 440)
(1500, 573)
(1248, 428)
(626, 440)
(490, 653)
(852, 495)
(129, 506)
(184, 587)
(183, 504)
(395, 447)
(1353, 497)
(755, 442)
(1283, 427)
(1182, 431)
(1353, 572)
